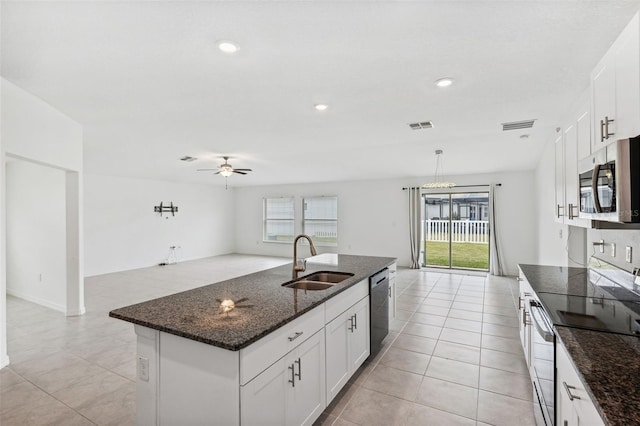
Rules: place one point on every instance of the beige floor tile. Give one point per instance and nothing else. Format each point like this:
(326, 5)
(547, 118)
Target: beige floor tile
(459, 336)
(449, 397)
(408, 306)
(453, 371)
(68, 376)
(415, 343)
(9, 378)
(503, 361)
(91, 389)
(43, 411)
(433, 310)
(457, 352)
(509, 311)
(502, 344)
(397, 325)
(506, 383)
(501, 410)
(114, 408)
(325, 420)
(507, 321)
(423, 330)
(403, 315)
(464, 325)
(437, 302)
(501, 330)
(373, 408)
(341, 400)
(422, 415)
(473, 307)
(436, 320)
(394, 382)
(20, 396)
(468, 298)
(467, 315)
(413, 362)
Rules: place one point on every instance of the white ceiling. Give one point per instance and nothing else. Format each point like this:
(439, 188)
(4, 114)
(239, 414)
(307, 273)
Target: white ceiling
(149, 86)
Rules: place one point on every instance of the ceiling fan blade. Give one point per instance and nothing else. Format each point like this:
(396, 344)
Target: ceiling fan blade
(243, 170)
(205, 170)
(240, 173)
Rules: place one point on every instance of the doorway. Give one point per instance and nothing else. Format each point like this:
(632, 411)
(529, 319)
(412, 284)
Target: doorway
(455, 230)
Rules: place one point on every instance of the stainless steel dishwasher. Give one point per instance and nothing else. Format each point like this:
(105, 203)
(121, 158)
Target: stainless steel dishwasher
(379, 309)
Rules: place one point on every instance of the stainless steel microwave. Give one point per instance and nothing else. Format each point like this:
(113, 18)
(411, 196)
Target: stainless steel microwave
(610, 183)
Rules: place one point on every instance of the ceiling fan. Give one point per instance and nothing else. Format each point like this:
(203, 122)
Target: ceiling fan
(226, 169)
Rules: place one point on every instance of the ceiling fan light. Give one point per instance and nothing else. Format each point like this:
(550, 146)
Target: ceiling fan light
(226, 172)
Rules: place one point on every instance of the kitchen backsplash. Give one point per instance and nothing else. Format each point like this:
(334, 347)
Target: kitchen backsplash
(621, 239)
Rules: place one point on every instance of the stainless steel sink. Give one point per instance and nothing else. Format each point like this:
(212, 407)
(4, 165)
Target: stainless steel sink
(309, 285)
(318, 280)
(328, 277)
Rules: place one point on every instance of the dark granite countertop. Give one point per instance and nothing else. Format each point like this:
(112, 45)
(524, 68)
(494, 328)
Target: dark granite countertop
(195, 314)
(557, 279)
(609, 366)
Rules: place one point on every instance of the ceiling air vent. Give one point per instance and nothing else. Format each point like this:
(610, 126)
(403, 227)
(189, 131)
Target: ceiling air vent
(515, 125)
(421, 125)
(188, 159)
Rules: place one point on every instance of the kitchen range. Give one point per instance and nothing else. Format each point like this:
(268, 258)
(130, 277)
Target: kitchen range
(566, 315)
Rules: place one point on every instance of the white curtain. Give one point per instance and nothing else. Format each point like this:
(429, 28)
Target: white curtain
(495, 249)
(414, 226)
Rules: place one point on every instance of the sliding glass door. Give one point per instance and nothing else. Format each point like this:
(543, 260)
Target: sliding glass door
(456, 230)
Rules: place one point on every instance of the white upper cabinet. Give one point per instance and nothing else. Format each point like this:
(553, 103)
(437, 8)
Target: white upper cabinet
(559, 180)
(615, 89)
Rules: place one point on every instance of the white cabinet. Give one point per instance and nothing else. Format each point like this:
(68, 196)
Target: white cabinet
(559, 179)
(291, 391)
(615, 89)
(393, 269)
(572, 145)
(574, 406)
(524, 322)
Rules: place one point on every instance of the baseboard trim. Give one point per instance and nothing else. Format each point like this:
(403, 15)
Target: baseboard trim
(76, 312)
(37, 300)
(4, 361)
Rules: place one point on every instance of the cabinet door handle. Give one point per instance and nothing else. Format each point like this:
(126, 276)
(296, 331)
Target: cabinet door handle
(606, 127)
(293, 377)
(299, 374)
(350, 328)
(602, 138)
(568, 389)
(355, 321)
(520, 302)
(295, 336)
(571, 211)
(389, 292)
(558, 207)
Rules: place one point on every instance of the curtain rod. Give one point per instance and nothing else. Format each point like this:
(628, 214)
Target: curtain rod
(457, 186)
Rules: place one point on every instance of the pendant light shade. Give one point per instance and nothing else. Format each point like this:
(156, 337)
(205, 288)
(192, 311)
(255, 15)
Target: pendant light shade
(438, 179)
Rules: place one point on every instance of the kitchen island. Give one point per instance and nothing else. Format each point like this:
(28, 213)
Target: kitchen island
(263, 362)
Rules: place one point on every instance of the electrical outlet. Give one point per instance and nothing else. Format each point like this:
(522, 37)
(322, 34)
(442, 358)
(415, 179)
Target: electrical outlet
(613, 249)
(627, 254)
(560, 234)
(143, 368)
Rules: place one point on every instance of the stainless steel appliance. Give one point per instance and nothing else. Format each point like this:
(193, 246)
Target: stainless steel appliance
(379, 309)
(542, 368)
(610, 183)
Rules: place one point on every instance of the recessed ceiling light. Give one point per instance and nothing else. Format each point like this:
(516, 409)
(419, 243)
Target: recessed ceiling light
(321, 107)
(227, 46)
(444, 82)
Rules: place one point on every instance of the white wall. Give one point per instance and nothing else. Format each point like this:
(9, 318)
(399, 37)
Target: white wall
(373, 218)
(122, 232)
(35, 131)
(36, 234)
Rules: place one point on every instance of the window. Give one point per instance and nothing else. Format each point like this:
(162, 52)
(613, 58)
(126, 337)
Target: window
(278, 226)
(320, 220)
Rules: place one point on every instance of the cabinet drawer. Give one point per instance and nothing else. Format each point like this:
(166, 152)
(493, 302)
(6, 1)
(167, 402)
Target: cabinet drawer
(260, 355)
(343, 301)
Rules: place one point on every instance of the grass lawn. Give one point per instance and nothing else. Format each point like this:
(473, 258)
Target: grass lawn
(463, 255)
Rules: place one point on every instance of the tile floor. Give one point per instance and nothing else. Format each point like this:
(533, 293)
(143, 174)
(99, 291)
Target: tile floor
(452, 358)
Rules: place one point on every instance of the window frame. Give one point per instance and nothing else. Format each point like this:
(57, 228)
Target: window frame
(305, 220)
(265, 202)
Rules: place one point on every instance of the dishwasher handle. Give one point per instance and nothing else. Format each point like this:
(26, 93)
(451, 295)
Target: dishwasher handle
(541, 325)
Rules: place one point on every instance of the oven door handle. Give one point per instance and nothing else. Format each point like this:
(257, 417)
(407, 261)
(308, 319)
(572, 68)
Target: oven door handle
(594, 188)
(540, 324)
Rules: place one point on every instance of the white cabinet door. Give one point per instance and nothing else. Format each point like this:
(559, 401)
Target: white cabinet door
(359, 341)
(291, 391)
(627, 65)
(574, 404)
(307, 398)
(263, 399)
(603, 89)
(583, 129)
(348, 345)
(559, 181)
(338, 363)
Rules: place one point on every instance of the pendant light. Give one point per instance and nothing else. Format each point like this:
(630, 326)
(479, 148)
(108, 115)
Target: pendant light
(438, 180)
